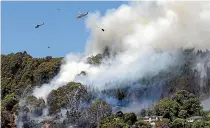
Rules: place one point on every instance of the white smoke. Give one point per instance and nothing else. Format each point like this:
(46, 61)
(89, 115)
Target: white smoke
(202, 65)
(137, 106)
(72, 65)
(160, 25)
(136, 32)
(126, 69)
(206, 104)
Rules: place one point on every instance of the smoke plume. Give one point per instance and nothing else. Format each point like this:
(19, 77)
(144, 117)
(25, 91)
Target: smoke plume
(144, 37)
(206, 104)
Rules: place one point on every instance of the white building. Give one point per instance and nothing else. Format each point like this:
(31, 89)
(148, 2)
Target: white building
(152, 119)
(194, 118)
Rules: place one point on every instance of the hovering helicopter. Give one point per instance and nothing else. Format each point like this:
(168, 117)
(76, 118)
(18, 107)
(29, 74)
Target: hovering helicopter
(38, 25)
(80, 15)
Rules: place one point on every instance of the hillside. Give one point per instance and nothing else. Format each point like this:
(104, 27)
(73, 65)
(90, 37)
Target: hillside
(20, 72)
(77, 105)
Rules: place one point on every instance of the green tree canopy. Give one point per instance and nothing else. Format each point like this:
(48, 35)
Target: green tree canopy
(167, 108)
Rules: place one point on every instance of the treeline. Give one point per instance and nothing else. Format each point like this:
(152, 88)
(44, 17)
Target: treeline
(94, 112)
(183, 76)
(20, 73)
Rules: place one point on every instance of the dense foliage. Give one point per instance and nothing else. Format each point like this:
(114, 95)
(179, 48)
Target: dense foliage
(19, 72)
(70, 94)
(95, 60)
(175, 112)
(123, 120)
(178, 97)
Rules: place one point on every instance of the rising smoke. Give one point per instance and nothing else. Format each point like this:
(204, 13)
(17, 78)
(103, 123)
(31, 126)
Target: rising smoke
(206, 104)
(145, 36)
(145, 39)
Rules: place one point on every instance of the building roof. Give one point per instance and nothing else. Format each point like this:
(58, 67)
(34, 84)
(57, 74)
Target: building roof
(195, 117)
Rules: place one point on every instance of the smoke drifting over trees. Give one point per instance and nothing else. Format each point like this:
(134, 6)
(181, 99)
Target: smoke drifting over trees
(149, 51)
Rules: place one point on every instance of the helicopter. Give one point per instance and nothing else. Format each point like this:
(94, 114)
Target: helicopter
(80, 15)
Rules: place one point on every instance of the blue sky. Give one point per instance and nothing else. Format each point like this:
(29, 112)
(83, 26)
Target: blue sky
(62, 32)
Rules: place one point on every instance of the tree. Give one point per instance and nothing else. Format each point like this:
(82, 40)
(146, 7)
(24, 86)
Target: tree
(9, 101)
(178, 123)
(71, 94)
(208, 116)
(192, 106)
(167, 108)
(99, 109)
(150, 112)
(143, 112)
(112, 122)
(95, 60)
(181, 96)
(120, 94)
(201, 124)
(35, 105)
(183, 114)
(130, 118)
(142, 124)
(5, 118)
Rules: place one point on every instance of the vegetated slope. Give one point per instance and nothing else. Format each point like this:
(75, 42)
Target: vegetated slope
(21, 72)
(174, 111)
(188, 75)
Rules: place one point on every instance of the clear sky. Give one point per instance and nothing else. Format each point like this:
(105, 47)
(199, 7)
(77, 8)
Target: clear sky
(61, 31)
